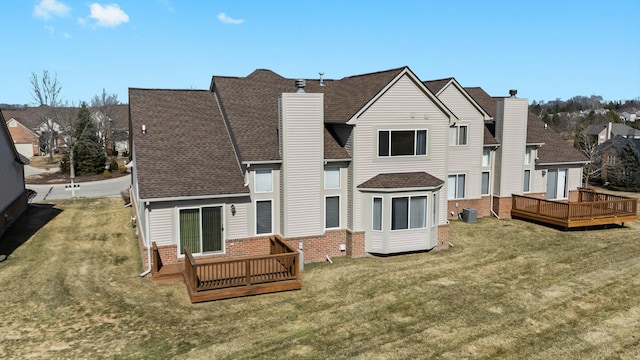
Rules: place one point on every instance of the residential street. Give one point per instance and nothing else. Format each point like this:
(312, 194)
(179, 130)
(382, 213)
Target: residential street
(109, 187)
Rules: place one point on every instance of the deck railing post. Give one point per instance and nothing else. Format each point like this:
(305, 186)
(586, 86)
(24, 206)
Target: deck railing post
(248, 271)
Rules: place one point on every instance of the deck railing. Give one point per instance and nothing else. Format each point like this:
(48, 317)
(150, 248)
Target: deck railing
(156, 261)
(281, 264)
(591, 206)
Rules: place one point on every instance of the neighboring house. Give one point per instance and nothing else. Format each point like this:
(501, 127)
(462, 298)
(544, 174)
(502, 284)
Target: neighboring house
(374, 163)
(610, 150)
(26, 141)
(604, 132)
(13, 196)
(114, 129)
(31, 118)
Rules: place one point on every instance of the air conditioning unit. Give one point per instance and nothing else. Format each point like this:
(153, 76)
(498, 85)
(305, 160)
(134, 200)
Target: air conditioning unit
(469, 215)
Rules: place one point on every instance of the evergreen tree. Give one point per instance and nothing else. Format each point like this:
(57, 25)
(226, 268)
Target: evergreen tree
(89, 158)
(627, 170)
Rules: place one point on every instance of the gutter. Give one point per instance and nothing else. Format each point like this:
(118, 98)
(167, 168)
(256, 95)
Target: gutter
(203, 197)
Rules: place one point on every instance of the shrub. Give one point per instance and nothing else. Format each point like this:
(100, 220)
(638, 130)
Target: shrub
(123, 169)
(125, 196)
(114, 165)
(107, 174)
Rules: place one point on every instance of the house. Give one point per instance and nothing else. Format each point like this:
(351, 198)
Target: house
(26, 141)
(13, 196)
(372, 163)
(610, 151)
(604, 132)
(113, 129)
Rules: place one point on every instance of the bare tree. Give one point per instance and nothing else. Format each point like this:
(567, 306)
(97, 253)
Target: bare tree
(105, 107)
(46, 93)
(588, 145)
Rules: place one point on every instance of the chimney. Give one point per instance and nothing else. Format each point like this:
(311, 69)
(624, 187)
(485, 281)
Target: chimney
(608, 131)
(300, 84)
(321, 79)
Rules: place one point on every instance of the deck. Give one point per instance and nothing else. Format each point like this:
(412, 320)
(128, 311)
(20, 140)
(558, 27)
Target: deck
(208, 280)
(591, 209)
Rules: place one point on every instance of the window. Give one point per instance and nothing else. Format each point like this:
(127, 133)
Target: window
(611, 160)
(557, 183)
(332, 177)
(409, 212)
(263, 180)
(434, 210)
(527, 156)
(264, 223)
(456, 186)
(332, 212)
(402, 142)
(201, 229)
(486, 157)
(527, 181)
(377, 214)
(458, 135)
(485, 183)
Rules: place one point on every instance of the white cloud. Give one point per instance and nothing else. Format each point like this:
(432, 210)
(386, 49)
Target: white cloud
(229, 20)
(109, 15)
(48, 8)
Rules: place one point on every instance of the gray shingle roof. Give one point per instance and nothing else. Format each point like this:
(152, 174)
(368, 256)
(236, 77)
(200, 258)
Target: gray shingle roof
(186, 150)
(402, 181)
(251, 105)
(436, 85)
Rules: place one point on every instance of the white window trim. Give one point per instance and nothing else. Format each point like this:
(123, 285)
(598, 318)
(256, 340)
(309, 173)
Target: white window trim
(488, 183)
(255, 181)
(332, 168)
(488, 157)
(434, 209)
(457, 175)
(339, 212)
(456, 141)
(255, 218)
(415, 143)
(409, 228)
(528, 156)
(381, 213)
(222, 219)
(524, 183)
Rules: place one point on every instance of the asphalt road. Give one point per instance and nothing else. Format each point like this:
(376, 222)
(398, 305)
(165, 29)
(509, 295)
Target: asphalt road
(109, 187)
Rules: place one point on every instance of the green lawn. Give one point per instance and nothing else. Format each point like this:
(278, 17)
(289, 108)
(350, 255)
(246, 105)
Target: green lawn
(507, 289)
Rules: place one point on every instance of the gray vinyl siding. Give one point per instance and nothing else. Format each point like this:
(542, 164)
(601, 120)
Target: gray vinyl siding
(403, 106)
(511, 131)
(161, 225)
(466, 159)
(303, 161)
(274, 196)
(12, 173)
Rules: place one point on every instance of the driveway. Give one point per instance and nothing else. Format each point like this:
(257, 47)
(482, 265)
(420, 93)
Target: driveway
(109, 187)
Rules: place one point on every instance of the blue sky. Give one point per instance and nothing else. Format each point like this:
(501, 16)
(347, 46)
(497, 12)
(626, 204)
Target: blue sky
(545, 49)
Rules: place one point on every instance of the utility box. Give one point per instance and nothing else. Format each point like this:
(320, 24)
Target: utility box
(469, 215)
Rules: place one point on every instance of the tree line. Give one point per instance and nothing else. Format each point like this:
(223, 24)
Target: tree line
(85, 136)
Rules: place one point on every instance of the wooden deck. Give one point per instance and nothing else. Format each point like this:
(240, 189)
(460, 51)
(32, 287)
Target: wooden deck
(235, 277)
(591, 209)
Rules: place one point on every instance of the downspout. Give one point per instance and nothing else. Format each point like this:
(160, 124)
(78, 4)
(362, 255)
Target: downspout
(147, 240)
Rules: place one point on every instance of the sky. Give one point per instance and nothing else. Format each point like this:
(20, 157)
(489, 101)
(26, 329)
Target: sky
(544, 49)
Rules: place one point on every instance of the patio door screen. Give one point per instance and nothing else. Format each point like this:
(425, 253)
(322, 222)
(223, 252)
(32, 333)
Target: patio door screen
(201, 229)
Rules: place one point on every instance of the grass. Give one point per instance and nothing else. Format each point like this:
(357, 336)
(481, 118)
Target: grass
(43, 162)
(507, 289)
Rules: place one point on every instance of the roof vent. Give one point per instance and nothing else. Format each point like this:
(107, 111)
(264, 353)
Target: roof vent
(321, 79)
(513, 92)
(300, 84)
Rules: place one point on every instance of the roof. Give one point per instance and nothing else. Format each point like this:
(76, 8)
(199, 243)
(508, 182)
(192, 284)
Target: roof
(332, 148)
(619, 142)
(175, 158)
(251, 105)
(616, 129)
(411, 180)
(30, 117)
(436, 85)
(554, 150)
